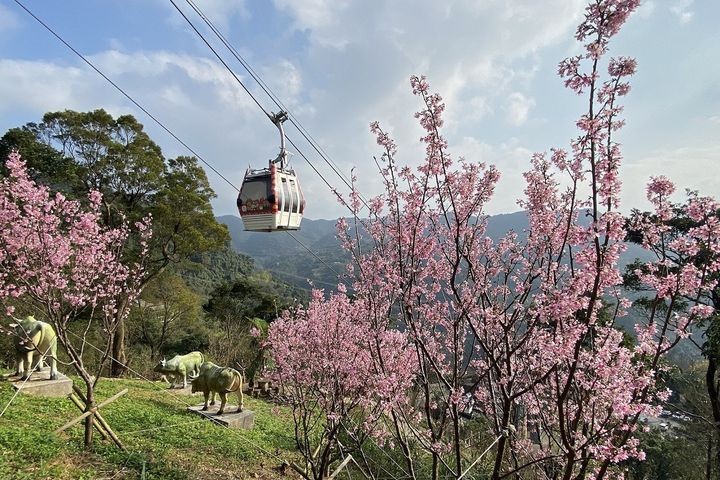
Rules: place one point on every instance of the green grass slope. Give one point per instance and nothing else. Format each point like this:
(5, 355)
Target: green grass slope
(162, 440)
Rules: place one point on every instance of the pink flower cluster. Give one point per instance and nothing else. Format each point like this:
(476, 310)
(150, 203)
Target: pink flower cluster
(523, 325)
(57, 253)
(332, 354)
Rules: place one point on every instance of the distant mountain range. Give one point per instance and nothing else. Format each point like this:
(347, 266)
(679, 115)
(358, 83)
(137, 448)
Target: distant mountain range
(287, 257)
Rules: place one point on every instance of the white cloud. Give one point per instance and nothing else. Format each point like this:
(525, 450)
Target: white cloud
(518, 108)
(312, 13)
(222, 11)
(360, 56)
(175, 96)
(285, 80)
(682, 9)
(646, 9)
(479, 107)
(160, 64)
(188, 94)
(347, 63)
(116, 44)
(688, 167)
(320, 16)
(8, 19)
(39, 85)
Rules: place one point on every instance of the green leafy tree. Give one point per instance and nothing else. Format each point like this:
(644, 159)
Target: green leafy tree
(76, 152)
(680, 444)
(203, 272)
(163, 314)
(241, 311)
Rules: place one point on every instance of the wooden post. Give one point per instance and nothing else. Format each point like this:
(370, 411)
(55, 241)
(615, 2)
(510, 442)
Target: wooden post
(299, 470)
(113, 436)
(340, 467)
(109, 430)
(96, 423)
(91, 411)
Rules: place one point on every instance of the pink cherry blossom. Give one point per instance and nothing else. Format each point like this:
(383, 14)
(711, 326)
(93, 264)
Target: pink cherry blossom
(521, 327)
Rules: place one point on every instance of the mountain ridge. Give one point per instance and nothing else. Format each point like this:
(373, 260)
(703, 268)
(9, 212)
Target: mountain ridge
(287, 256)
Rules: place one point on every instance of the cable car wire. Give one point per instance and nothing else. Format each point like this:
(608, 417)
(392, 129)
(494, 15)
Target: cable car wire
(157, 121)
(247, 90)
(217, 55)
(119, 89)
(313, 253)
(268, 91)
(271, 95)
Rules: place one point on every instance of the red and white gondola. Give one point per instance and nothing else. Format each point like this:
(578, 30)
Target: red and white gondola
(270, 199)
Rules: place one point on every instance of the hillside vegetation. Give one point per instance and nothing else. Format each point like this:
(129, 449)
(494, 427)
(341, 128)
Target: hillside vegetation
(161, 438)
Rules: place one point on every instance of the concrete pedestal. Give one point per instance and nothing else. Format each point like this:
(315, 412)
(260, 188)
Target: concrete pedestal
(244, 420)
(40, 384)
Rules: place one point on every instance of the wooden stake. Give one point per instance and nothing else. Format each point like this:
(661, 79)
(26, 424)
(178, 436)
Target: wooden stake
(96, 424)
(113, 436)
(110, 431)
(340, 467)
(299, 470)
(91, 411)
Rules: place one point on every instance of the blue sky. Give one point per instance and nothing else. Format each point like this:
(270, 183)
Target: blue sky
(340, 64)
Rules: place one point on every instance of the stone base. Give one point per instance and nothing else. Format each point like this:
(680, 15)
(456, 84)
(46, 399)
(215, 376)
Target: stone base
(40, 384)
(244, 420)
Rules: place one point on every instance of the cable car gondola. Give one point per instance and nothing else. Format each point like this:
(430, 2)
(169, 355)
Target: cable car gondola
(270, 198)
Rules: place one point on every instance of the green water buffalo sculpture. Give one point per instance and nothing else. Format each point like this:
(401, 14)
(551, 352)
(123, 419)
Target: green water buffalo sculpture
(180, 366)
(34, 337)
(222, 380)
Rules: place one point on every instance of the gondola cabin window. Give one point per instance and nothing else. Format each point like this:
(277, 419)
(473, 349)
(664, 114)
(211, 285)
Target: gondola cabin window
(255, 198)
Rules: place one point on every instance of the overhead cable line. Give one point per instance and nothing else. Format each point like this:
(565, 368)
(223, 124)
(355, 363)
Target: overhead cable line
(217, 55)
(247, 90)
(268, 91)
(119, 89)
(313, 253)
(160, 124)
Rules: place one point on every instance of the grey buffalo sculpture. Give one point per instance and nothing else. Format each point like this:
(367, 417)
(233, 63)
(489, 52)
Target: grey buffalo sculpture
(180, 366)
(31, 337)
(222, 380)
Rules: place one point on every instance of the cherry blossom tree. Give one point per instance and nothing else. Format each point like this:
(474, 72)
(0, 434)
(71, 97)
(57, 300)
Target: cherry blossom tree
(683, 281)
(340, 373)
(522, 328)
(59, 260)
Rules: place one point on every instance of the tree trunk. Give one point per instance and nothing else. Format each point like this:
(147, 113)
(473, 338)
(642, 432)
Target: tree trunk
(709, 460)
(456, 439)
(119, 360)
(712, 391)
(500, 453)
(403, 443)
(89, 396)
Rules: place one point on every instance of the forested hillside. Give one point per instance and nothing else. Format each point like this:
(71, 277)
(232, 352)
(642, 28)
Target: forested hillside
(290, 261)
(577, 338)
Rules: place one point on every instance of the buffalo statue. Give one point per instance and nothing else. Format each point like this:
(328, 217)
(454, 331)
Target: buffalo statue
(223, 380)
(180, 366)
(33, 336)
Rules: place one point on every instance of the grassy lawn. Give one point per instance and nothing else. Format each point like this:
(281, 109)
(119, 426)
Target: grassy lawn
(160, 437)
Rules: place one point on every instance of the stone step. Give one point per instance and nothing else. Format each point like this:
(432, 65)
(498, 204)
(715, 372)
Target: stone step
(41, 385)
